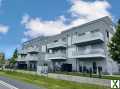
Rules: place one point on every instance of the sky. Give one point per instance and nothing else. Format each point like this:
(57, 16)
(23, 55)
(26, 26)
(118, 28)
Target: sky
(21, 20)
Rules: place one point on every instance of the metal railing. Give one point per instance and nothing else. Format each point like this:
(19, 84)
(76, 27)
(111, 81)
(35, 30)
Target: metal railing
(88, 37)
(90, 52)
(57, 55)
(56, 44)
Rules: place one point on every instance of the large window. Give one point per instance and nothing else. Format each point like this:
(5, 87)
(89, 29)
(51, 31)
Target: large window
(81, 34)
(96, 45)
(55, 40)
(96, 30)
(64, 39)
(107, 34)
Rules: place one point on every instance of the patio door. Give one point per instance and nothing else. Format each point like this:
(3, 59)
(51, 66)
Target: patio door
(94, 67)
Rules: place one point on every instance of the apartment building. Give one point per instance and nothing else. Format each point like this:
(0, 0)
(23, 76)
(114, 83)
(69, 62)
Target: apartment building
(76, 49)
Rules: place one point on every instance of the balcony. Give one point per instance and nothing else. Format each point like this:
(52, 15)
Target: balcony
(59, 44)
(92, 53)
(88, 38)
(21, 59)
(27, 58)
(58, 55)
(31, 58)
(24, 52)
(33, 50)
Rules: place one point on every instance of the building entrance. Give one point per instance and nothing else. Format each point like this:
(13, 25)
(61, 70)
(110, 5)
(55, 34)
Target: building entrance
(66, 67)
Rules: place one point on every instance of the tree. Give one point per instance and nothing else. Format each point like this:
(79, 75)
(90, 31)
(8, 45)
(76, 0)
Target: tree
(2, 60)
(14, 57)
(114, 44)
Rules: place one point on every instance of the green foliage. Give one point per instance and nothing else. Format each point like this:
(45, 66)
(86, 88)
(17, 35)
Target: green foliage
(14, 57)
(114, 44)
(2, 60)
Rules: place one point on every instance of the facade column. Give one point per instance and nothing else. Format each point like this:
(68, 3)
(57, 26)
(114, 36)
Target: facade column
(77, 65)
(28, 65)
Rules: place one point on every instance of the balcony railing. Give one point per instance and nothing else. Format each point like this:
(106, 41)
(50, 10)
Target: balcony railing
(58, 55)
(31, 58)
(97, 36)
(92, 53)
(22, 51)
(27, 58)
(56, 44)
(33, 50)
(21, 58)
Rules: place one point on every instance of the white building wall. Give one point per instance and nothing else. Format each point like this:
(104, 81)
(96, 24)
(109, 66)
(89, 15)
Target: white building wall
(100, 25)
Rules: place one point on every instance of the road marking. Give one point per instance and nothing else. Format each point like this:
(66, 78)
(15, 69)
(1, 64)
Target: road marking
(8, 85)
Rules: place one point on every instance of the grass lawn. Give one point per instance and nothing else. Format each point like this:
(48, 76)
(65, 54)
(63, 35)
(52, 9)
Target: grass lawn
(111, 77)
(49, 83)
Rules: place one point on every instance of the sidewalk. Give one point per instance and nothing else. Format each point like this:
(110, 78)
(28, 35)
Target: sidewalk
(97, 81)
(79, 79)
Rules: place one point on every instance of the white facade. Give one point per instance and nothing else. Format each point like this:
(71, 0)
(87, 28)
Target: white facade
(76, 49)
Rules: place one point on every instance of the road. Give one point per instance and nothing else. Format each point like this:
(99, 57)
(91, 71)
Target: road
(4, 85)
(8, 83)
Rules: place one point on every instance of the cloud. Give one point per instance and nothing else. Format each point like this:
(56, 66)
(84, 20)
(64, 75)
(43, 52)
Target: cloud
(37, 26)
(24, 40)
(25, 18)
(3, 29)
(80, 12)
(90, 10)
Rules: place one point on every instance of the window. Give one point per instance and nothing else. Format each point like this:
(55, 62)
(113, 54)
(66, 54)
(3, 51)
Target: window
(68, 35)
(75, 33)
(81, 34)
(54, 51)
(96, 30)
(64, 39)
(55, 40)
(97, 46)
(23, 55)
(43, 48)
(107, 34)
(87, 32)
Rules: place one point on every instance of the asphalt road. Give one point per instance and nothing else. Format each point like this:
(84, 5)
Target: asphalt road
(3, 87)
(16, 83)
